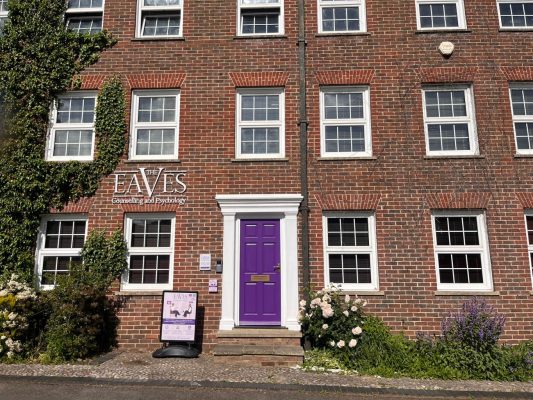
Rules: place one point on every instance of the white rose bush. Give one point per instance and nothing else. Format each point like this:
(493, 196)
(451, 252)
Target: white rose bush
(332, 320)
(16, 299)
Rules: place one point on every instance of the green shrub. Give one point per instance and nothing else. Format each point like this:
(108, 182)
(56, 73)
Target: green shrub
(17, 304)
(467, 348)
(332, 320)
(83, 318)
(381, 352)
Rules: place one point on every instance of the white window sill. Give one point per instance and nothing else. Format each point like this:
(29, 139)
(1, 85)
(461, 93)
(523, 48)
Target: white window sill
(282, 159)
(347, 158)
(466, 293)
(65, 160)
(326, 34)
(519, 155)
(154, 160)
(135, 161)
(457, 156)
(125, 292)
(273, 36)
(454, 30)
(158, 39)
(520, 29)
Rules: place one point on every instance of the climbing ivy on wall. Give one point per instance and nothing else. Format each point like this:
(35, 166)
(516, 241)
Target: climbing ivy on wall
(40, 58)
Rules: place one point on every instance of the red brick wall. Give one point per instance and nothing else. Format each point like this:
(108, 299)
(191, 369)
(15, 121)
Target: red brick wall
(408, 184)
(400, 184)
(206, 66)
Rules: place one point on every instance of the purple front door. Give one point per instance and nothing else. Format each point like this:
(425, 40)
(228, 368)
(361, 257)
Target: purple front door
(260, 294)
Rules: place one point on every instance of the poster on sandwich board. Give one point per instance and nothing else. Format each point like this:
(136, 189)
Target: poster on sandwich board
(178, 316)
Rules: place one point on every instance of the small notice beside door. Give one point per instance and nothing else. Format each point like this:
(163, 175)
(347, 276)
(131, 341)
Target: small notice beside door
(178, 319)
(205, 262)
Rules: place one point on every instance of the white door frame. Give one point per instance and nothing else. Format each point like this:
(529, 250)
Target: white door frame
(237, 207)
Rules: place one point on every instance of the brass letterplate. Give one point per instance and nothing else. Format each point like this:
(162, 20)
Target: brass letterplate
(260, 278)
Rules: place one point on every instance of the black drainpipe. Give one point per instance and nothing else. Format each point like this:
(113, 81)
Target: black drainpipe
(304, 207)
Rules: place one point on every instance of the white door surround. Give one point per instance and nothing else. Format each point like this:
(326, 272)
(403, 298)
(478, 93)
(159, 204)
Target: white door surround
(238, 206)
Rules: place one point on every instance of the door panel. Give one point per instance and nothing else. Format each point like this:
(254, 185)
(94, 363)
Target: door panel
(260, 289)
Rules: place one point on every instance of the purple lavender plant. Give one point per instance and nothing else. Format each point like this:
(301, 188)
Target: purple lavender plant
(477, 325)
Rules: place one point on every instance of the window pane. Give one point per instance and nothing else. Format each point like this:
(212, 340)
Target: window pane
(161, 26)
(260, 141)
(340, 19)
(260, 22)
(516, 14)
(438, 16)
(85, 4)
(85, 25)
(155, 142)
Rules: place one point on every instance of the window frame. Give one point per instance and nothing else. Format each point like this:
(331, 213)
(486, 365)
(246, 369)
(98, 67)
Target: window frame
(520, 118)
(461, 15)
(128, 223)
(84, 12)
(135, 126)
(3, 15)
(361, 4)
(280, 124)
(281, 21)
(159, 11)
(42, 252)
(529, 213)
(366, 122)
(511, 28)
(483, 249)
(469, 119)
(370, 249)
(54, 126)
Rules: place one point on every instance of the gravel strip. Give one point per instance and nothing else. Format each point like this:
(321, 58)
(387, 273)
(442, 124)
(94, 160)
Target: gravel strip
(142, 367)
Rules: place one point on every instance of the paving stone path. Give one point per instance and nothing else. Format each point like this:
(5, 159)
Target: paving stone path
(142, 367)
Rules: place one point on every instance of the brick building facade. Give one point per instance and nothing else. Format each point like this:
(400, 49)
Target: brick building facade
(420, 184)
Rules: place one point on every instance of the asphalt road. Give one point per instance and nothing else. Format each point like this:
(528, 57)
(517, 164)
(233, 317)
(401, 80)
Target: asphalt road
(19, 388)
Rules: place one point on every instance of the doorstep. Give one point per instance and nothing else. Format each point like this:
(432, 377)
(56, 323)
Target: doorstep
(259, 346)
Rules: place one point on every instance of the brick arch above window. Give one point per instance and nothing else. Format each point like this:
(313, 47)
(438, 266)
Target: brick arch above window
(341, 202)
(518, 74)
(525, 199)
(447, 74)
(348, 77)
(156, 81)
(259, 79)
(469, 200)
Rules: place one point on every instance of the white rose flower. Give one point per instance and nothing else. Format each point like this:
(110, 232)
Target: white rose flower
(357, 330)
(12, 316)
(4, 293)
(354, 308)
(358, 301)
(303, 303)
(340, 344)
(3, 337)
(332, 343)
(352, 343)
(10, 354)
(346, 313)
(327, 312)
(325, 326)
(347, 298)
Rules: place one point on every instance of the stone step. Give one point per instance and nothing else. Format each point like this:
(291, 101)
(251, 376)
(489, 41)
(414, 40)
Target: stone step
(259, 346)
(241, 350)
(259, 333)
